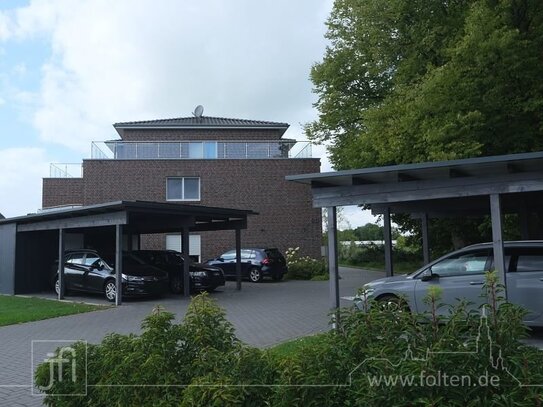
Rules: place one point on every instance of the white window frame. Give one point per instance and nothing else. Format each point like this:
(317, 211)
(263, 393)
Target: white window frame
(182, 199)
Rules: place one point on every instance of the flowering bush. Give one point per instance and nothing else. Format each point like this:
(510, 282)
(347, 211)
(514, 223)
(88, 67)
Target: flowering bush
(304, 268)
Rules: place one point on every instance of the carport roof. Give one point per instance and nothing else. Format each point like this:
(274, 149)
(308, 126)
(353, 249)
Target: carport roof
(138, 216)
(439, 188)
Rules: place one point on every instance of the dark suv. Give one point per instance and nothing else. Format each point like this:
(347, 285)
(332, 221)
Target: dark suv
(255, 264)
(202, 278)
(85, 270)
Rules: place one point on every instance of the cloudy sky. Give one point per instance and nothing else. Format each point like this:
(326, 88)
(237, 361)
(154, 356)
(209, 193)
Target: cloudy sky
(69, 69)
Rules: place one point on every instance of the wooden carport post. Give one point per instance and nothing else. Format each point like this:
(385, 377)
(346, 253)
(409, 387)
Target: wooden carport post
(389, 268)
(118, 264)
(333, 264)
(425, 238)
(524, 222)
(61, 264)
(497, 240)
(238, 258)
(185, 249)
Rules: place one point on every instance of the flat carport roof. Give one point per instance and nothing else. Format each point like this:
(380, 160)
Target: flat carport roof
(467, 187)
(131, 217)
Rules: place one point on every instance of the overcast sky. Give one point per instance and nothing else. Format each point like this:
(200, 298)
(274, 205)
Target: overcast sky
(70, 69)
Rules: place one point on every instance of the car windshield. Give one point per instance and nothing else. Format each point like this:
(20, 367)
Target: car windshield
(130, 259)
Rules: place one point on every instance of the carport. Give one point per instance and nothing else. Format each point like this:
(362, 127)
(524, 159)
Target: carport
(493, 185)
(30, 244)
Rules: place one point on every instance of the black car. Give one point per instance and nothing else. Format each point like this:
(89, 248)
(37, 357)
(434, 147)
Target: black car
(255, 264)
(85, 270)
(202, 278)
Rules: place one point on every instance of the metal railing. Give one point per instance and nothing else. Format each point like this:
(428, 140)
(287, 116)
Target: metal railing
(65, 170)
(146, 150)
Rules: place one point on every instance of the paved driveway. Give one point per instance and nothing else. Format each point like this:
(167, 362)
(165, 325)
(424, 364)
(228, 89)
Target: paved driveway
(263, 315)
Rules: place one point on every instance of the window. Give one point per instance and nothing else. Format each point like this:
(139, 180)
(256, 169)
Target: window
(462, 264)
(92, 260)
(210, 149)
(196, 150)
(183, 189)
(246, 254)
(76, 258)
(231, 255)
(529, 259)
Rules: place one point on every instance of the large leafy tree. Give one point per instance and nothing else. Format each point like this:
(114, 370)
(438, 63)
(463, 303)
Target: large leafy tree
(422, 80)
(416, 80)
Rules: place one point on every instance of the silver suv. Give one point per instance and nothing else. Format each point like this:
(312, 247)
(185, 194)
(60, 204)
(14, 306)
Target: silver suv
(461, 276)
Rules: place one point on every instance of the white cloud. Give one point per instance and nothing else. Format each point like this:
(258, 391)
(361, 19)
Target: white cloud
(141, 59)
(22, 170)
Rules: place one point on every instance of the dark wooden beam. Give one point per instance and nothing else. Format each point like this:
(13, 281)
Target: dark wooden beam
(514, 168)
(389, 267)
(333, 266)
(405, 177)
(118, 264)
(497, 241)
(321, 184)
(185, 247)
(238, 259)
(427, 190)
(356, 180)
(457, 173)
(106, 219)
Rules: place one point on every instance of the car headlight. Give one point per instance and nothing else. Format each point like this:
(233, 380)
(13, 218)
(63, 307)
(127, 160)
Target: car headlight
(199, 273)
(131, 278)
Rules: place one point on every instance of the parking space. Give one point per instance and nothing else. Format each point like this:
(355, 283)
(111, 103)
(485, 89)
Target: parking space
(263, 314)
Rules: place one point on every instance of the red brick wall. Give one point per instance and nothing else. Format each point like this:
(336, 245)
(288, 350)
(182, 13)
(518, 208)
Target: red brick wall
(223, 135)
(286, 216)
(62, 191)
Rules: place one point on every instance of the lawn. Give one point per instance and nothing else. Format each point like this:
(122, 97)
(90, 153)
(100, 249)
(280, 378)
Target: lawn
(16, 310)
(295, 346)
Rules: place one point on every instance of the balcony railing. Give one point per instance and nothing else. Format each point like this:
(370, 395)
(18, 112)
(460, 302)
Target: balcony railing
(170, 150)
(65, 170)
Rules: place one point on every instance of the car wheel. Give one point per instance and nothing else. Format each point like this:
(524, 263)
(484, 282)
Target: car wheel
(255, 275)
(176, 285)
(110, 290)
(393, 302)
(277, 277)
(57, 287)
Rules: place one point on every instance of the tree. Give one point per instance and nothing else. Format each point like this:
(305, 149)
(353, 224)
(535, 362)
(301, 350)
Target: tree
(416, 80)
(422, 80)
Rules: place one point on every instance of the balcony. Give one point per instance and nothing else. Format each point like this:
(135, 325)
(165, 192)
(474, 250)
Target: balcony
(190, 150)
(65, 170)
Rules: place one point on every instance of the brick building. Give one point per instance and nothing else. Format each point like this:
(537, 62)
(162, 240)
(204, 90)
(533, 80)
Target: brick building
(208, 161)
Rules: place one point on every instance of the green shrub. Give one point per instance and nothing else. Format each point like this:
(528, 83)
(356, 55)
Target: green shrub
(383, 342)
(167, 365)
(203, 363)
(304, 267)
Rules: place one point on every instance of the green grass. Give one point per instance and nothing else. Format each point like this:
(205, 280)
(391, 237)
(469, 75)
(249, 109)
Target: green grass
(296, 346)
(16, 310)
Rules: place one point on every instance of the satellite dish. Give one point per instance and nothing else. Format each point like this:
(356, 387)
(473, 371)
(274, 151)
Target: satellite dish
(198, 111)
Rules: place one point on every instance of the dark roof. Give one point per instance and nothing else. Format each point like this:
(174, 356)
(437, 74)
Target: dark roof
(149, 217)
(437, 188)
(427, 170)
(201, 122)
